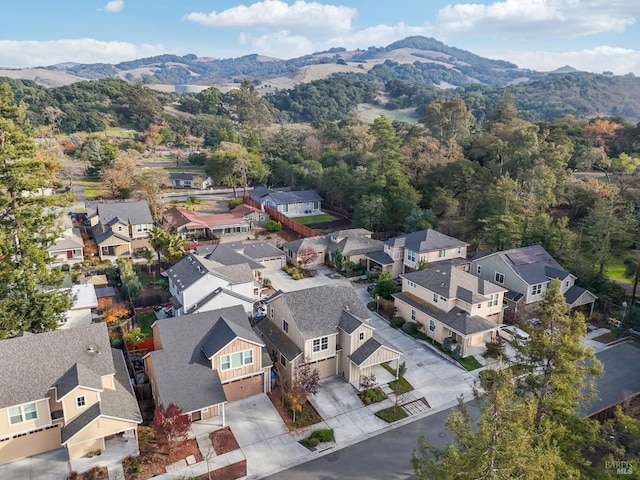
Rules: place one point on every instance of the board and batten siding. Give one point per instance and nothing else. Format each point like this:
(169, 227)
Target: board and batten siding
(311, 356)
(494, 263)
(281, 312)
(236, 346)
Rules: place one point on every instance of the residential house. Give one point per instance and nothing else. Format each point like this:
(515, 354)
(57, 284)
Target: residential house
(445, 300)
(268, 256)
(66, 388)
(354, 244)
(190, 180)
(326, 327)
(204, 360)
(69, 247)
(85, 301)
(121, 227)
(407, 252)
(200, 285)
(526, 273)
(291, 204)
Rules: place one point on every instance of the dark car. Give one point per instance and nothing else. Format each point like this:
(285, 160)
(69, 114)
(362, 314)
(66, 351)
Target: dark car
(371, 287)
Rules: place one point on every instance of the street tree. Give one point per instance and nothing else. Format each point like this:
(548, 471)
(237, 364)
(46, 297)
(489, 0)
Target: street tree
(30, 298)
(170, 424)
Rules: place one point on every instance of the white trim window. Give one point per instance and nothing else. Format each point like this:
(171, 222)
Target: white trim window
(435, 298)
(285, 326)
(493, 299)
(320, 344)
(142, 227)
(236, 360)
(432, 325)
(81, 401)
(411, 255)
(441, 253)
(22, 413)
(499, 278)
(536, 289)
(478, 269)
(361, 336)
(283, 361)
(413, 315)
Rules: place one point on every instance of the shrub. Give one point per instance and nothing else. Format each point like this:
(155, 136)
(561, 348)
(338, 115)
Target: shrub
(65, 267)
(397, 322)
(266, 282)
(409, 327)
(323, 434)
(420, 336)
(313, 442)
(234, 202)
(77, 266)
(273, 226)
(117, 343)
(372, 395)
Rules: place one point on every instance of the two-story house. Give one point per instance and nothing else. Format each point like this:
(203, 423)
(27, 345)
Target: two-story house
(204, 360)
(354, 246)
(291, 204)
(526, 272)
(69, 247)
(121, 227)
(406, 253)
(85, 300)
(66, 388)
(325, 327)
(447, 301)
(198, 284)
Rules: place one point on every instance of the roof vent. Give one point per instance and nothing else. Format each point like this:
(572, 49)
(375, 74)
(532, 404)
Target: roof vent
(442, 284)
(459, 314)
(93, 349)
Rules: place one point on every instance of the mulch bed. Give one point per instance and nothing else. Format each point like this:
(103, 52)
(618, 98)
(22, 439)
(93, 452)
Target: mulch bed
(230, 472)
(223, 441)
(96, 473)
(153, 458)
(276, 398)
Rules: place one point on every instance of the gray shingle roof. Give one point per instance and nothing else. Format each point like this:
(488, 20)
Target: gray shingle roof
(445, 279)
(185, 176)
(281, 198)
(206, 299)
(184, 374)
(132, 213)
(456, 318)
(380, 257)
(279, 340)
(105, 236)
(224, 332)
(81, 421)
(425, 241)
(364, 351)
(348, 322)
(76, 376)
(32, 364)
(226, 255)
(188, 270)
(121, 402)
(574, 293)
(317, 311)
(258, 251)
(240, 273)
(105, 292)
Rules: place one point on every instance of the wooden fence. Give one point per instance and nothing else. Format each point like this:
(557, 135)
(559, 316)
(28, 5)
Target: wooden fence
(152, 300)
(283, 219)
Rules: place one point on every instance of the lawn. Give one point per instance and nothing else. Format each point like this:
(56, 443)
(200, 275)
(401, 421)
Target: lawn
(616, 271)
(92, 187)
(399, 386)
(186, 169)
(470, 363)
(320, 218)
(392, 414)
(146, 320)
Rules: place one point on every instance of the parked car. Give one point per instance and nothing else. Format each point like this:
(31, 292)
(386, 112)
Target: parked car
(371, 287)
(397, 282)
(511, 333)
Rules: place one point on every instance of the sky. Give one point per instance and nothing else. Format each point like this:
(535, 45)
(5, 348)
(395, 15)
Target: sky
(590, 35)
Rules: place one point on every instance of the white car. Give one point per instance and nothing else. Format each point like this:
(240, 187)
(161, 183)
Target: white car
(511, 333)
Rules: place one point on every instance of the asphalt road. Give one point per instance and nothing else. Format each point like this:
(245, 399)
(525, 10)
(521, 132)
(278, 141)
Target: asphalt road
(386, 456)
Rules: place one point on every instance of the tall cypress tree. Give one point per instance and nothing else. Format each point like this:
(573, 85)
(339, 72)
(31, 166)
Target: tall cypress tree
(30, 299)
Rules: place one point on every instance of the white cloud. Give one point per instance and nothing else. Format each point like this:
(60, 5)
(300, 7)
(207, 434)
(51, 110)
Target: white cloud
(538, 18)
(299, 17)
(598, 59)
(114, 6)
(18, 54)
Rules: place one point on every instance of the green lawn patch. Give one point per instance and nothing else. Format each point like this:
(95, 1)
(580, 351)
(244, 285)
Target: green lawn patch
(320, 218)
(470, 363)
(159, 283)
(616, 270)
(400, 386)
(372, 395)
(186, 169)
(392, 414)
(146, 320)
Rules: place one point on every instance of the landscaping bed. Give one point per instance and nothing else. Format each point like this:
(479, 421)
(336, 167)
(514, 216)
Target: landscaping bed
(223, 441)
(607, 337)
(317, 437)
(306, 418)
(96, 473)
(372, 395)
(154, 458)
(392, 414)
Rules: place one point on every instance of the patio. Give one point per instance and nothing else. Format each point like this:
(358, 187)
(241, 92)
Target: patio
(116, 450)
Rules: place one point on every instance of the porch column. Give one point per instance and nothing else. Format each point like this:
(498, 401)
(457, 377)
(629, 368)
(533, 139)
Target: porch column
(397, 368)
(223, 419)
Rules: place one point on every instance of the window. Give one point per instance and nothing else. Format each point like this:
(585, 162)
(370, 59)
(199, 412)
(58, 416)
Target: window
(537, 289)
(435, 298)
(413, 315)
(459, 249)
(81, 402)
(285, 326)
(411, 255)
(432, 325)
(493, 300)
(361, 336)
(499, 278)
(411, 284)
(236, 360)
(23, 413)
(478, 269)
(283, 361)
(443, 299)
(285, 208)
(270, 312)
(320, 344)
(441, 253)
(566, 284)
(142, 228)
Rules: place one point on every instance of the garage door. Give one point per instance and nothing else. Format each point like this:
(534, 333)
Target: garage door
(326, 367)
(243, 388)
(30, 444)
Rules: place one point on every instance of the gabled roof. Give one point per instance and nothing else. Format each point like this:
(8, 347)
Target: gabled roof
(257, 251)
(105, 292)
(349, 322)
(130, 213)
(317, 311)
(445, 279)
(50, 355)
(355, 241)
(574, 294)
(186, 176)
(281, 198)
(226, 255)
(85, 297)
(77, 376)
(380, 257)
(368, 348)
(188, 270)
(425, 241)
(68, 242)
(222, 333)
(457, 319)
(75, 426)
(240, 273)
(110, 233)
(279, 340)
(218, 291)
(184, 374)
(533, 264)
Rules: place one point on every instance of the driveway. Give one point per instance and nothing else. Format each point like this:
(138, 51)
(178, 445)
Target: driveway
(324, 276)
(53, 465)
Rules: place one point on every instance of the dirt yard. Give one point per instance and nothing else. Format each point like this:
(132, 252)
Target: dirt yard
(223, 441)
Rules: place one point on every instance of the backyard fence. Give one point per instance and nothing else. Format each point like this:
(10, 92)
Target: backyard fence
(152, 300)
(283, 219)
